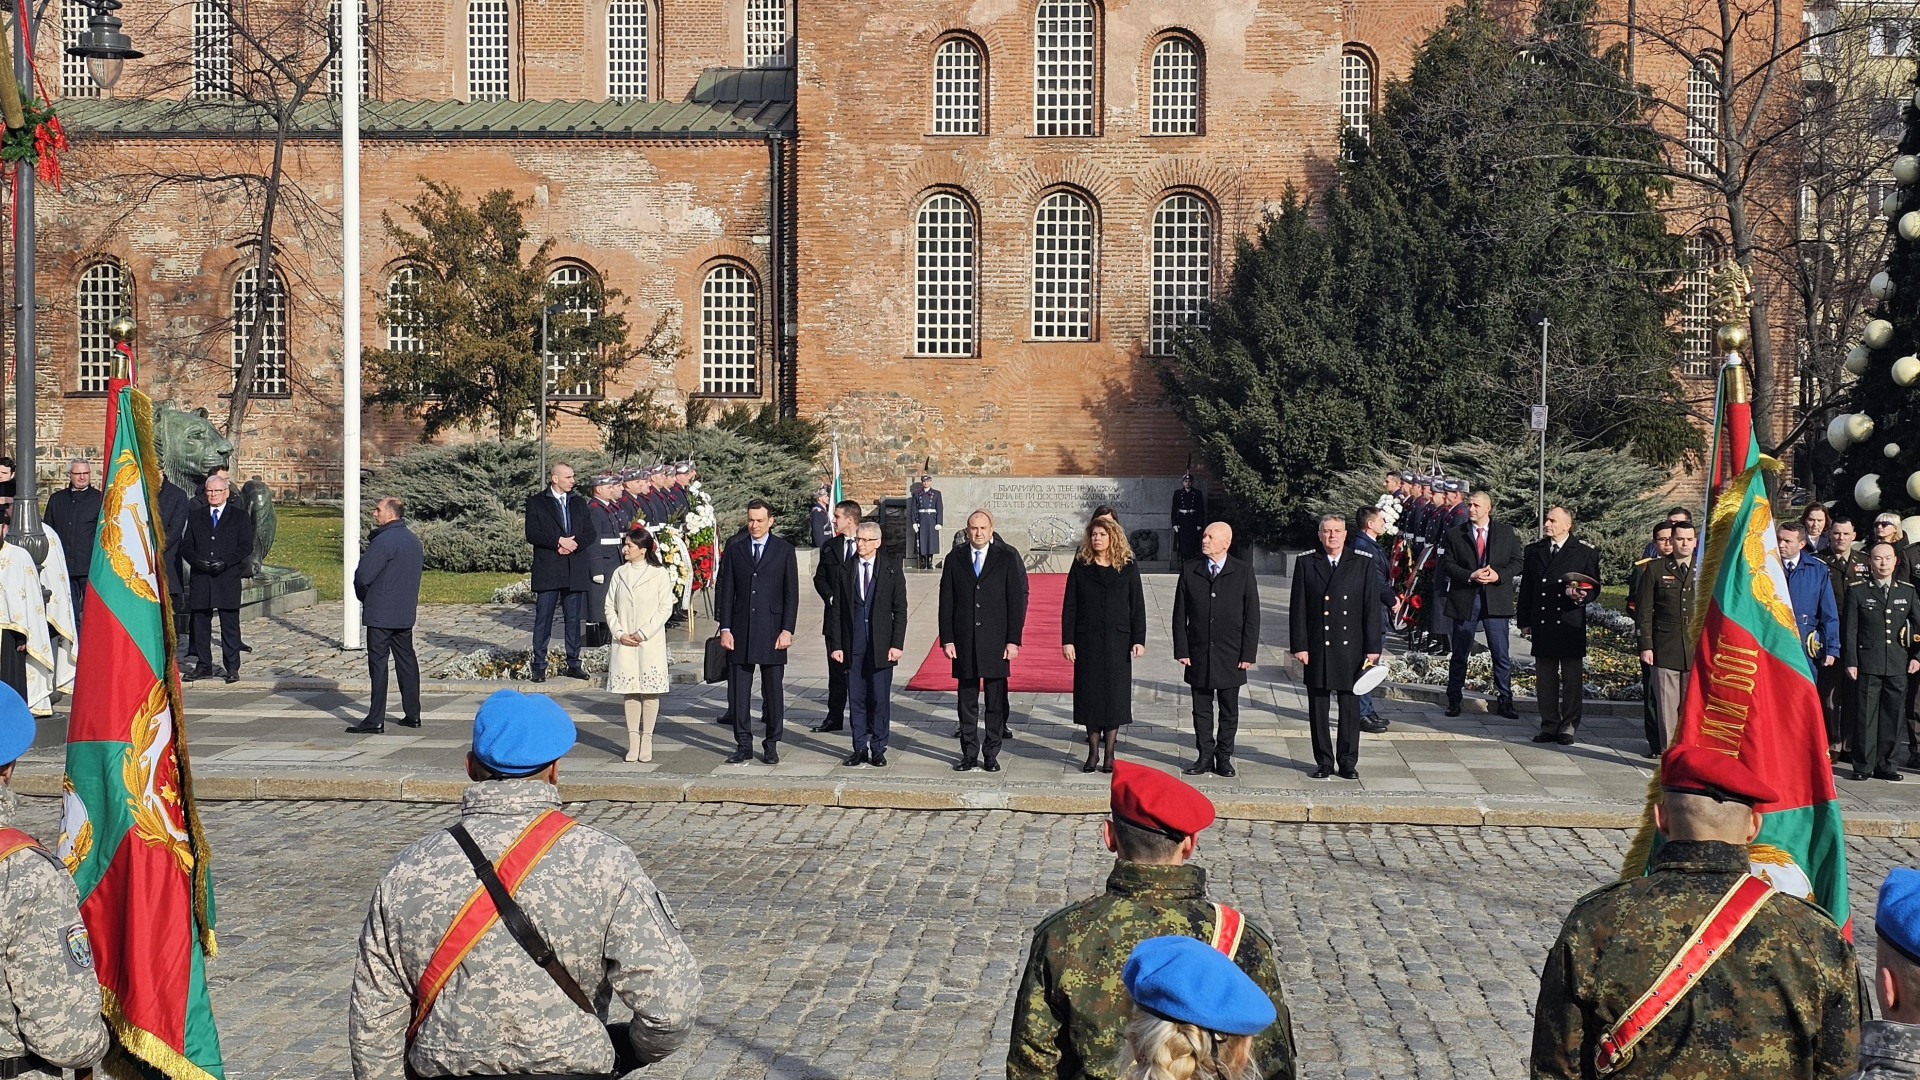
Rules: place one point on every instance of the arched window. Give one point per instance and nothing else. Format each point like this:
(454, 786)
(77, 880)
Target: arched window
(958, 88)
(74, 80)
(403, 332)
(766, 33)
(627, 50)
(1703, 117)
(270, 370)
(1174, 97)
(1356, 94)
(339, 57)
(729, 332)
(943, 282)
(488, 51)
(1063, 267)
(570, 281)
(1063, 68)
(1696, 310)
(212, 49)
(1182, 268)
(100, 299)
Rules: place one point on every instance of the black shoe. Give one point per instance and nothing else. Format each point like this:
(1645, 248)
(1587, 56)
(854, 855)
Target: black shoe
(1320, 773)
(1545, 736)
(1453, 708)
(879, 760)
(194, 675)
(1223, 766)
(964, 764)
(956, 733)
(826, 727)
(1859, 775)
(1913, 761)
(404, 722)
(1090, 766)
(991, 765)
(244, 647)
(1198, 767)
(1507, 711)
(1373, 725)
(577, 672)
(366, 727)
(1106, 766)
(858, 757)
(1888, 773)
(770, 756)
(1565, 738)
(233, 676)
(740, 756)
(538, 676)
(725, 719)
(1349, 774)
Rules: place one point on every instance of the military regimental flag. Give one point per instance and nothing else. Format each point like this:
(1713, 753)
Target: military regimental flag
(129, 831)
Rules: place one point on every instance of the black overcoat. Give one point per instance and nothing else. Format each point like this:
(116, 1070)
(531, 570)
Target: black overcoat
(1335, 617)
(204, 546)
(173, 533)
(757, 601)
(826, 572)
(980, 618)
(1558, 622)
(886, 615)
(1216, 623)
(1503, 555)
(1103, 616)
(551, 570)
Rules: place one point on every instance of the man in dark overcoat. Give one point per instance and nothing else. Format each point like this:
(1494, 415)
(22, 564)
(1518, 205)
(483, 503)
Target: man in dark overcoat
(1483, 561)
(1216, 638)
(560, 528)
(929, 513)
(755, 602)
(866, 634)
(174, 503)
(387, 581)
(983, 615)
(216, 547)
(1552, 614)
(835, 553)
(1335, 632)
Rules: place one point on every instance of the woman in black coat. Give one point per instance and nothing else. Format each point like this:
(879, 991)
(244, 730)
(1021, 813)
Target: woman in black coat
(1103, 627)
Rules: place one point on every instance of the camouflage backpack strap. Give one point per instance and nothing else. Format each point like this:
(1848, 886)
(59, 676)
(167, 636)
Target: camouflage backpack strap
(1228, 927)
(1709, 942)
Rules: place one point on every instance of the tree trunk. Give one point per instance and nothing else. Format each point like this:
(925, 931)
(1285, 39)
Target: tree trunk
(263, 283)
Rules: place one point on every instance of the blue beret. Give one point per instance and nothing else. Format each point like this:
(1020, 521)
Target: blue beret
(1897, 919)
(1188, 980)
(518, 733)
(16, 725)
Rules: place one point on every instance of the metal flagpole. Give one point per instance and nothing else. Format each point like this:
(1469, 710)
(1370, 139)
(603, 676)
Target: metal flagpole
(350, 404)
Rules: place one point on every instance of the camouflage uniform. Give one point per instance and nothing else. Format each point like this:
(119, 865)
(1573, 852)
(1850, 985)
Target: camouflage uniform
(49, 994)
(1888, 1051)
(500, 1013)
(1781, 1002)
(1071, 1011)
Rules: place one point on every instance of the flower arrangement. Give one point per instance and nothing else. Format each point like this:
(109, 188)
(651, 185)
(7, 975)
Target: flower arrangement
(1390, 508)
(673, 552)
(701, 532)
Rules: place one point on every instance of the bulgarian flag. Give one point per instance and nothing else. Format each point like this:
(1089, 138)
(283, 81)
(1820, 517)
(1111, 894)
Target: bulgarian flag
(129, 831)
(1751, 692)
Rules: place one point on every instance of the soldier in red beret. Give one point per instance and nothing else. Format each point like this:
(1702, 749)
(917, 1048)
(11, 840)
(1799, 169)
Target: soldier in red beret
(1071, 1012)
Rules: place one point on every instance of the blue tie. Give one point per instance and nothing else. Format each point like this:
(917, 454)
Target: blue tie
(216, 517)
(979, 560)
(565, 524)
(756, 549)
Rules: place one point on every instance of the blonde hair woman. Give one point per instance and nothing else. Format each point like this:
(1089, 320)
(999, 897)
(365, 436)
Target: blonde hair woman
(1103, 629)
(639, 602)
(1195, 1014)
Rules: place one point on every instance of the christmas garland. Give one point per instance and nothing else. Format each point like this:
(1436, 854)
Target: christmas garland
(39, 141)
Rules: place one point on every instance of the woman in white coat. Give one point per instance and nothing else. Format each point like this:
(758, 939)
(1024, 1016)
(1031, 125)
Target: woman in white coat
(639, 601)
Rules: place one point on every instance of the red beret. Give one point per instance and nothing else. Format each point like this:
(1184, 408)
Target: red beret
(1158, 802)
(1698, 770)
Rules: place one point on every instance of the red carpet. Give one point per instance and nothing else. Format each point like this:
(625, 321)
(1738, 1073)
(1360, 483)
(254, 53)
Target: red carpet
(1039, 669)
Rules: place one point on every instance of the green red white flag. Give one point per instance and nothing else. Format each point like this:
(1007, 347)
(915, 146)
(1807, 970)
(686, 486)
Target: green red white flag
(129, 831)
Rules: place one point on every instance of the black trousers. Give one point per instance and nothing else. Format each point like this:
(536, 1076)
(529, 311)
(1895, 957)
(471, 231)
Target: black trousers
(380, 642)
(1837, 702)
(78, 587)
(1561, 687)
(13, 661)
(1656, 737)
(836, 691)
(996, 719)
(570, 603)
(1880, 701)
(773, 702)
(1213, 748)
(229, 639)
(1326, 754)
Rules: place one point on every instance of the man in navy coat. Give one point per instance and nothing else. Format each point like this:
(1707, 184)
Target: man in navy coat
(755, 603)
(1810, 585)
(387, 581)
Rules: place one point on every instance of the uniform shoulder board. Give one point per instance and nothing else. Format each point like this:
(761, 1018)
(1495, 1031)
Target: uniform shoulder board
(1363, 551)
(1645, 561)
(1581, 542)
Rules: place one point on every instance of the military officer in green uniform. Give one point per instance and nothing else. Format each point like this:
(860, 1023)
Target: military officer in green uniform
(1663, 609)
(1071, 1011)
(1662, 547)
(1772, 997)
(1879, 643)
(1845, 566)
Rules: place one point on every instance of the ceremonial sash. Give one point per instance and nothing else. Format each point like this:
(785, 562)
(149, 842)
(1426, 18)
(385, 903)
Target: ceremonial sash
(1710, 941)
(13, 840)
(1228, 925)
(478, 914)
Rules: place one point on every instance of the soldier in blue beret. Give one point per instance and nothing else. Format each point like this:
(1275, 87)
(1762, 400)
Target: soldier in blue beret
(1890, 1046)
(1195, 1013)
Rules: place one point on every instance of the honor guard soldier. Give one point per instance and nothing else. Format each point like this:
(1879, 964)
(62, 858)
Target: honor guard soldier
(439, 990)
(680, 498)
(603, 558)
(929, 513)
(1698, 969)
(632, 481)
(820, 517)
(1880, 640)
(49, 995)
(1071, 1011)
(1189, 517)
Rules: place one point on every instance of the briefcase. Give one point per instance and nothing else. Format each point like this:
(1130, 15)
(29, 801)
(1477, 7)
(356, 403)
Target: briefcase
(714, 669)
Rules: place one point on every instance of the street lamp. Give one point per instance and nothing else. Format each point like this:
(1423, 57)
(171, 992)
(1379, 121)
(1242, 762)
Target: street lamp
(102, 44)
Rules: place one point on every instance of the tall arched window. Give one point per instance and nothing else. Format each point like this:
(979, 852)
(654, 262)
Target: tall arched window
(766, 33)
(403, 334)
(729, 332)
(1696, 308)
(1703, 117)
(212, 49)
(1182, 268)
(570, 280)
(339, 58)
(1356, 93)
(1063, 267)
(627, 50)
(1063, 68)
(489, 57)
(1174, 97)
(74, 80)
(100, 299)
(943, 278)
(958, 88)
(270, 370)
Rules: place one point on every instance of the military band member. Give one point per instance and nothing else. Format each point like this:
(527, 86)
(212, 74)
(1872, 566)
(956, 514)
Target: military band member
(1880, 635)
(1845, 566)
(1335, 631)
(603, 558)
(438, 995)
(1778, 1001)
(1560, 575)
(1663, 609)
(929, 513)
(1189, 517)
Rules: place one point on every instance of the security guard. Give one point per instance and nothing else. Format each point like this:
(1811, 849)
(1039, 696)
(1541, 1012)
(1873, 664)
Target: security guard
(929, 513)
(439, 990)
(1698, 969)
(49, 995)
(1189, 517)
(1071, 1011)
(1880, 644)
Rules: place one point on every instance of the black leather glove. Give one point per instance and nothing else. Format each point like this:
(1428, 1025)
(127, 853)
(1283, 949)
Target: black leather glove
(213, 567)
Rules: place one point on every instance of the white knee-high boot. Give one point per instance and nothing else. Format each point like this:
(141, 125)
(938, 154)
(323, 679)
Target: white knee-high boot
(633, 709)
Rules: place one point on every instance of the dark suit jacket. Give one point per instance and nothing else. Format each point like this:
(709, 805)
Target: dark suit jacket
(886, 613)
(1216, 622)
(1503, 555)
(552, 570)
(980, 618)
(173, 532)
(387, 580)
(826, 573)
(1558, 622)
(75, 517)
(1335, 617)
(229, 547)
(756, 601)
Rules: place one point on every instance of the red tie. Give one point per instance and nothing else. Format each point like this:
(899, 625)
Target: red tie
(1480, 543)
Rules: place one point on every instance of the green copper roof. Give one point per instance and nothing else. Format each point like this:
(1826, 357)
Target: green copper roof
(753, 118)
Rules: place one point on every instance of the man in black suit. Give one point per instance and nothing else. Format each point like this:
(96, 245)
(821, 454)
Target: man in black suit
(387, 581)
(983, 614)
(1483, 560)
(217, 545)
(1553, 615)
(834, 554)
(1335, 631)
(755, 603)
(867, 633)
(560, 528)
(1216, 638)
(73, 513)
(174, 507)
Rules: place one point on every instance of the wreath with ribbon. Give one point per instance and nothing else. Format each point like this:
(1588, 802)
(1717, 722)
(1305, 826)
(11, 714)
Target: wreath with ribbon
(39, 141)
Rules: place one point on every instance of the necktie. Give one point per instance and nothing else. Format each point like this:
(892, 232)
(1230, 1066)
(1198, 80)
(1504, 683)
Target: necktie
(849, 553)
(979, 557)
(1213, 569)
(757, 545)
(866, 580)
(216, 517)
(565, 524)
(1480, 543)
(1555, 551)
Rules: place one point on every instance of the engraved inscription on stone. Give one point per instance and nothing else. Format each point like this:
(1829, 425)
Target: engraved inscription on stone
(1040, 513)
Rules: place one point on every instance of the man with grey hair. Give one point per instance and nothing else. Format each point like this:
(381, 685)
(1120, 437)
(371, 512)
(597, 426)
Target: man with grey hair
(866, 634)
(983, 616)
(73, 512)
(218, 543)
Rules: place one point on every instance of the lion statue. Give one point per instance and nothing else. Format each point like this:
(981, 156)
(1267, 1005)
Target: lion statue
(190, 450)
